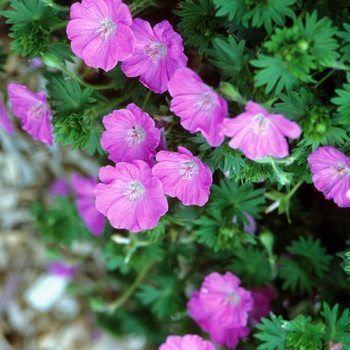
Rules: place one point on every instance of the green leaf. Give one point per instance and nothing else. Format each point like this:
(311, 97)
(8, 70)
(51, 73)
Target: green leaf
(302, 334)
(199, 25)
(337, 330)
(233, 9)
(272, 333)
(31, 24)
(251, 265)
(164, 298)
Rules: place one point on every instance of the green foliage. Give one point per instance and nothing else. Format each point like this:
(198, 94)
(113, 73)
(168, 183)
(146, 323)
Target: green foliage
(251, 265)
(3, 57)
(60, 222)
(308, 261)
(345, 49)
(272, 333)
(304, 333)
(342, 100)
(163, 296)
(294, 52)
(337, 329)
(31, 24)
(199, 25)
(259, 12)
(232, 60)
(74, 118)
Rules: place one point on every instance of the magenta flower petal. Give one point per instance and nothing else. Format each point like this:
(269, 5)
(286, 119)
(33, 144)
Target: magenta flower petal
(4, 118)
(58, 268)
(158, 53)
(85, 201)
(130, 134)
(198, 313)
(259, 134)
(261, 303)
(131, 198)
(226, 302)
(331, 169)
(183, 176)
(187, 342)
(197, 105)
(100, 32)
(227, 337)
(59, 187)
(34, 112)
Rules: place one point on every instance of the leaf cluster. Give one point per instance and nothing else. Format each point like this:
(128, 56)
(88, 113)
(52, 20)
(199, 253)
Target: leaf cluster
(308, 261)
(31, 23)
(303, 332)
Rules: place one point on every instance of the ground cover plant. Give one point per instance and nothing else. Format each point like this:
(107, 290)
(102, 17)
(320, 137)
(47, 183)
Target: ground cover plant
(220, 210)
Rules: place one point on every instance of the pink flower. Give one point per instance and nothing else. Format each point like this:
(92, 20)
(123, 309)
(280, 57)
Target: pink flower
(131, 134)
(187, 342)
(158, 53)
(59, 187)
(228, 337)
(57, 268)
(85, 201)
(259, 134)
(198, 106)
(250, 227)
(333, 346)
(130, 196)
(331, 169)
(4, 118)
(261, 307)
(100, 32)
(226, 303)
(33, 110)
(183, 176)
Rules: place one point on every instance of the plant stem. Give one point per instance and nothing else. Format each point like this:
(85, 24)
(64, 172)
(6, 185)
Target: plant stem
(113, 103)
(126, 295)
(323, 79)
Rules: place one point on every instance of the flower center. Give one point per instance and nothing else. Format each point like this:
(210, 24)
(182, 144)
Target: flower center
(190, 167)
(205, 102)
(135, 136)
(135, 191)
(260, 124)
(155, 51)
(37, 111)
(340, 170)
(106, 28)
(233, 299)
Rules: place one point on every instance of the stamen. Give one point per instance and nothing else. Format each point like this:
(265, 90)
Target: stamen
(106, 28)
(340, 170)
(135, 136)
(205, 102)
(155, 51)
(135, 191)
(37, 111)
(190, 168)
(233, 298)
(260, 124)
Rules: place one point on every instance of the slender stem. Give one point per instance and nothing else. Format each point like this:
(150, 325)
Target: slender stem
(144, 104)
(82, 82)
(114, 103)
(290, 194)
(60, 25)
(126, 295)
(323, 79)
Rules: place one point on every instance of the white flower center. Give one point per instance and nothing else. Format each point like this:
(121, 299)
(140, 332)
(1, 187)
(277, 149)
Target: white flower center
(233, 299)
(190, 167)
(205, 102)
(260, 124)
(135, 191)
(37, 111)
(340, 170)
(106, 28)
(155, 51)
(135, 136)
